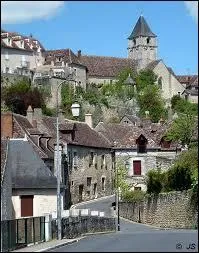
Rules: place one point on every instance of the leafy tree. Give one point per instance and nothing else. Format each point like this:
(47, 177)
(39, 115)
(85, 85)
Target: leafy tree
(179, 177)
(181, 105)
(155, 181)
(182, 129)
(121, 179)
(150, 100)
(145, 78)
(19, 96)
(134, 196)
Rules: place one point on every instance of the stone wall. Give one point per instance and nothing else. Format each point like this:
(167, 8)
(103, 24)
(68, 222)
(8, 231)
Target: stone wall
(168, 210)
(73, 227)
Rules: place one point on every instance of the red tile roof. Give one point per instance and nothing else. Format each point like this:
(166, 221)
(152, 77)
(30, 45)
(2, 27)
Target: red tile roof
(188, 79)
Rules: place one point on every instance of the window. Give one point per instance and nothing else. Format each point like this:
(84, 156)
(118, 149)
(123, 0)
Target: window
(89, 179)
(7, 70)
(111, 81)
(160, 82)
(126, 121)
(103, 161)
(95, 160)
(136, 168)
(137, 188)
(141, 144)
(91, 158)
(72, 183)
(148, 40)
(103, 183)
(134, 42)
(74, 159)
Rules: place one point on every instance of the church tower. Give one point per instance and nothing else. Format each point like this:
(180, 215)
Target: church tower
(142, 44)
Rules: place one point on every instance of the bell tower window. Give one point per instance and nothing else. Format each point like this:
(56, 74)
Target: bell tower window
(148, 40)
(134, 42)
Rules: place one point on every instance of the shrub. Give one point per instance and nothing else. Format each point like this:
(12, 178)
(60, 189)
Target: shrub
(155, 181)
(133, 195)
(179, 177)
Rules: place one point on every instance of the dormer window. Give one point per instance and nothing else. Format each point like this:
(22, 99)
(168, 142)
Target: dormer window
(141, 144)
(165, 143)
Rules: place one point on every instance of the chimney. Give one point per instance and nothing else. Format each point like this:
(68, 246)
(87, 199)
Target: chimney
(79, 53)
(89, 120)
(37, 113)
(7, 125)
(29, 114)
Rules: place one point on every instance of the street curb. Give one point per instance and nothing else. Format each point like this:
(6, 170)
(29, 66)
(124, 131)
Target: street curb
(96, 233)
(59, 245)
(145, 224)
(90, 201)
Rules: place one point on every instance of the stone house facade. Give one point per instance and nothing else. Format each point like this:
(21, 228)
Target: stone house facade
(85, 156)
(140, 148)
(20, 54)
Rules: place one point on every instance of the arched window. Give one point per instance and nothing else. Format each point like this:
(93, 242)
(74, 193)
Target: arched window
(148, 40)
(134, 42)
(160, 82)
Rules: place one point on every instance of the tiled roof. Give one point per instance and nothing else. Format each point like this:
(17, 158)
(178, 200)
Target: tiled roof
(83, 134)
(67, 55)
(102, 66)
(188, 79)
(28, 170)
(141, 29)
(125, 136)
(30, 131)
(26, 45)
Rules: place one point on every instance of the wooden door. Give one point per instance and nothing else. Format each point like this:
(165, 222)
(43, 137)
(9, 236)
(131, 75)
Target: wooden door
(137, 168)
(26, 205)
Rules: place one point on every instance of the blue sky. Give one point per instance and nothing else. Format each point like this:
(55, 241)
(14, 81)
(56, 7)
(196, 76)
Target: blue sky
(102, 27)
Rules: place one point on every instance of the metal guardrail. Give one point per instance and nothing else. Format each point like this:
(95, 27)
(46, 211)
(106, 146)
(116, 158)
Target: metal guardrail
(19, 233)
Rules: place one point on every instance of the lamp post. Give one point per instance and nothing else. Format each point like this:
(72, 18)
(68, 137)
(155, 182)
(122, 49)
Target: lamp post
(58, 167)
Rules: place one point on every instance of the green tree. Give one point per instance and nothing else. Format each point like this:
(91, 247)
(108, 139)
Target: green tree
(145, 78)
(182, 129)
(121, 181)
(150, 100)
(181, 105)
(155, 180)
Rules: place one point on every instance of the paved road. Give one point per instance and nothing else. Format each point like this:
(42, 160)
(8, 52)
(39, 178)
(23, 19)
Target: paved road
(133, 237)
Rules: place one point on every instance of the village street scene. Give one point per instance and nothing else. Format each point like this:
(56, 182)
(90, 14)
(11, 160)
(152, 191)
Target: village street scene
(99, 126)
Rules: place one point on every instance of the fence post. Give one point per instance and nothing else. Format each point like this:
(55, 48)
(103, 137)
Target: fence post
(48, 227)
(26, 232)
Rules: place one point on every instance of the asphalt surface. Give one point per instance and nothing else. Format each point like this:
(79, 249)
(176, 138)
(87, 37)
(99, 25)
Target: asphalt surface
(133, 237)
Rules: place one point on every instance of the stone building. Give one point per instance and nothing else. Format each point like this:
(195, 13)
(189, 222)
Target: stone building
(87, 172)
(20, 54)
(140, 148)
(191, 85)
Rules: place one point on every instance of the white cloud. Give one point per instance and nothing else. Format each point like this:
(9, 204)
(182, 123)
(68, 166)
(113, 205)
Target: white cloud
(18, 12)
(192, 7)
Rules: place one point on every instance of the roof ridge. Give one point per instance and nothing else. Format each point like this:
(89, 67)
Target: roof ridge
(100, 56)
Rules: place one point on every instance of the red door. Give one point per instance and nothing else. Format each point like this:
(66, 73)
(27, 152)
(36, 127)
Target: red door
(137, 168)
(26, 205)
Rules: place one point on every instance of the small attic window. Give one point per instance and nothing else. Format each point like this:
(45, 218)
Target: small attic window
(141, 144)
(148, 40)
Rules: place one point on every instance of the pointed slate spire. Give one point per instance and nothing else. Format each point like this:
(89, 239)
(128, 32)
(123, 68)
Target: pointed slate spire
(141, 29)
